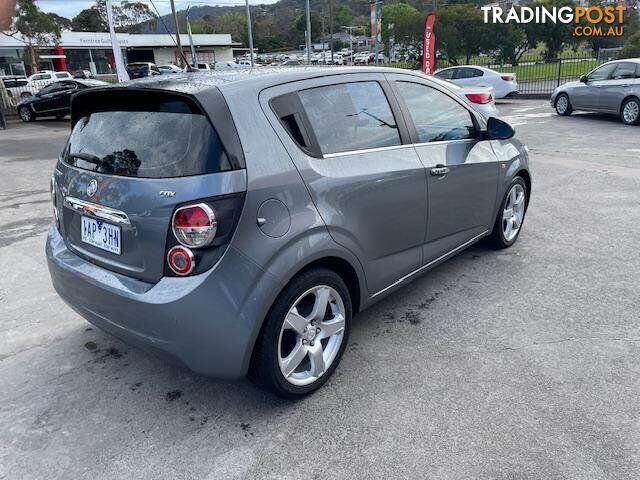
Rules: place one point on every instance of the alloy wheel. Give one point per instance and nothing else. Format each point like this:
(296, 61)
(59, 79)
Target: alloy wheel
(631, 111)
(561, 104)
(25, 114)
(513, 212)
(311, 335)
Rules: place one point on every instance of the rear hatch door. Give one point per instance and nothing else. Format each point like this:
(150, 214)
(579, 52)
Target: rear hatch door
(132, 158)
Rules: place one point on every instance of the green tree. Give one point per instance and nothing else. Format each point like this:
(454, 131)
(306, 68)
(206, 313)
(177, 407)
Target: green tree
(343, 16)
(630, 25)
(89, 20)
(299, 25)
(461, 32)
(631, 48)
(402, 25)
(36, 29)
(555, 36)
(127, 17)
(507, 42)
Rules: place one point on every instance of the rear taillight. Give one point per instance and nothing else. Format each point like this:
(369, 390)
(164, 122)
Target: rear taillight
(481, 98)
(195, 225)
(180, 260)
(507, 78)
(199, 233)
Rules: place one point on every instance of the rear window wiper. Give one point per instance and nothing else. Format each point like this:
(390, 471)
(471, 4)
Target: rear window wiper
(87, 157)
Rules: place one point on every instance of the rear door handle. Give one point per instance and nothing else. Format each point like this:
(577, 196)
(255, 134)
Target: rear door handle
(439, 170)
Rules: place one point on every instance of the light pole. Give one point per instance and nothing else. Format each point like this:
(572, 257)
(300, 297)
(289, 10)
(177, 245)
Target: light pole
(250, 32)
(175, 20)
(308, 39)
(194, 56)
(349, 30)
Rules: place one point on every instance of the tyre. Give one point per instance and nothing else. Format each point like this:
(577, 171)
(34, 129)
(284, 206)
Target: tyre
(513, 208)
(304, 335)
(25, 95)
(26, 114)
(630, 111)
(563, 105)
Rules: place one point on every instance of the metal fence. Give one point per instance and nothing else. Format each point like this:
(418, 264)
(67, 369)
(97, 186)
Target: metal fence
(537, 76)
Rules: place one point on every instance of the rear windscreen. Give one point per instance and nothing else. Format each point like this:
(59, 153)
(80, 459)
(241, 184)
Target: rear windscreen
(168, 138)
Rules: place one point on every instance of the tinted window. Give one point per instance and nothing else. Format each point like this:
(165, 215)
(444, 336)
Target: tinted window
(624, 70)
(436, 116)
(49, 89)
(15, 83)
(466, 72)
(168, 139)
(602, 73)
(62, 75)
(445, 74)
(350, 116)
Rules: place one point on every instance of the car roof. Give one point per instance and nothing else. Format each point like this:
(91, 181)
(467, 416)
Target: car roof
(91, 82)
(632, 60)
(257, 78)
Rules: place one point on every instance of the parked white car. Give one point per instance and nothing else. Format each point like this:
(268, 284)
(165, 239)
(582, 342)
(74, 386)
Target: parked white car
(364, 58)
(199, 66)
(361, 58)
(504, 84)
(45, 77)
(169, 68)
(19, 87)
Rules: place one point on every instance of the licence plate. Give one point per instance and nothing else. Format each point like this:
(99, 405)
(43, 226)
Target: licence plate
(101, 235)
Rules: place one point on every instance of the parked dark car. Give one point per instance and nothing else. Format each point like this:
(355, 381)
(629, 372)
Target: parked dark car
(179, 229)
(83, 74)
(54, 100)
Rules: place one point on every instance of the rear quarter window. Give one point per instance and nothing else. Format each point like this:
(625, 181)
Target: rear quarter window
(350, 116)
(146, 139)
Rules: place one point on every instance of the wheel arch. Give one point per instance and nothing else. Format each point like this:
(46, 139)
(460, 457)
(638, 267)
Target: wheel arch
(526, 176)
(335, 263)
(624, 100)
(345, 270)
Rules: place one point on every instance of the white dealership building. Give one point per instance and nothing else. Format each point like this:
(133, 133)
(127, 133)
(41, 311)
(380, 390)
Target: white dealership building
(92, 51)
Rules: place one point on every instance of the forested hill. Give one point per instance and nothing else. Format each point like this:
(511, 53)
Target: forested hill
(279, 25)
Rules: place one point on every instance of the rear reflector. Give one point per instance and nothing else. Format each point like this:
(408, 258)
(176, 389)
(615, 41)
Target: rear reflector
(195, 225)
(180, 260)
(482, 97)
(53, 201)
(507, 78)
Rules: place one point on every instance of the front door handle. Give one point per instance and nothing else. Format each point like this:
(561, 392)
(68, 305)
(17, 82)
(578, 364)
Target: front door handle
(439, 170)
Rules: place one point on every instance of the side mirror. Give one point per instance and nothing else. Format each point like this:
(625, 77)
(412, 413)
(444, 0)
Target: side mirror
(499, 129)
(584, 78)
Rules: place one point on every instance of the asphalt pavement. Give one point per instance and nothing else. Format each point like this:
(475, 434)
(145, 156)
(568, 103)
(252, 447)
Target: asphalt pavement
(514, 364)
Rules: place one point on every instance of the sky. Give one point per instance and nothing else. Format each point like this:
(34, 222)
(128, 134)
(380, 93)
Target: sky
(70, 8)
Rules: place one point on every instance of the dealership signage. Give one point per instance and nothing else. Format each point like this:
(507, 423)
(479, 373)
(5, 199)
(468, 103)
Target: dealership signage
(429, 45)
(589, 21)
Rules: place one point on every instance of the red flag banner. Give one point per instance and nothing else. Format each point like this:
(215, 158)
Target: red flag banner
(429, 45)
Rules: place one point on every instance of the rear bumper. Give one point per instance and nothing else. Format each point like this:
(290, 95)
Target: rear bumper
(207, 322)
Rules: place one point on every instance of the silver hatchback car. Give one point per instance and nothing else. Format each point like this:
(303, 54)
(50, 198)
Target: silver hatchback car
(613, 87)
(237, 221)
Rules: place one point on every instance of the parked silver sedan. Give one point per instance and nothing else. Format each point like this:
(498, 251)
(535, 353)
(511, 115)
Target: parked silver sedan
(613, 87)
